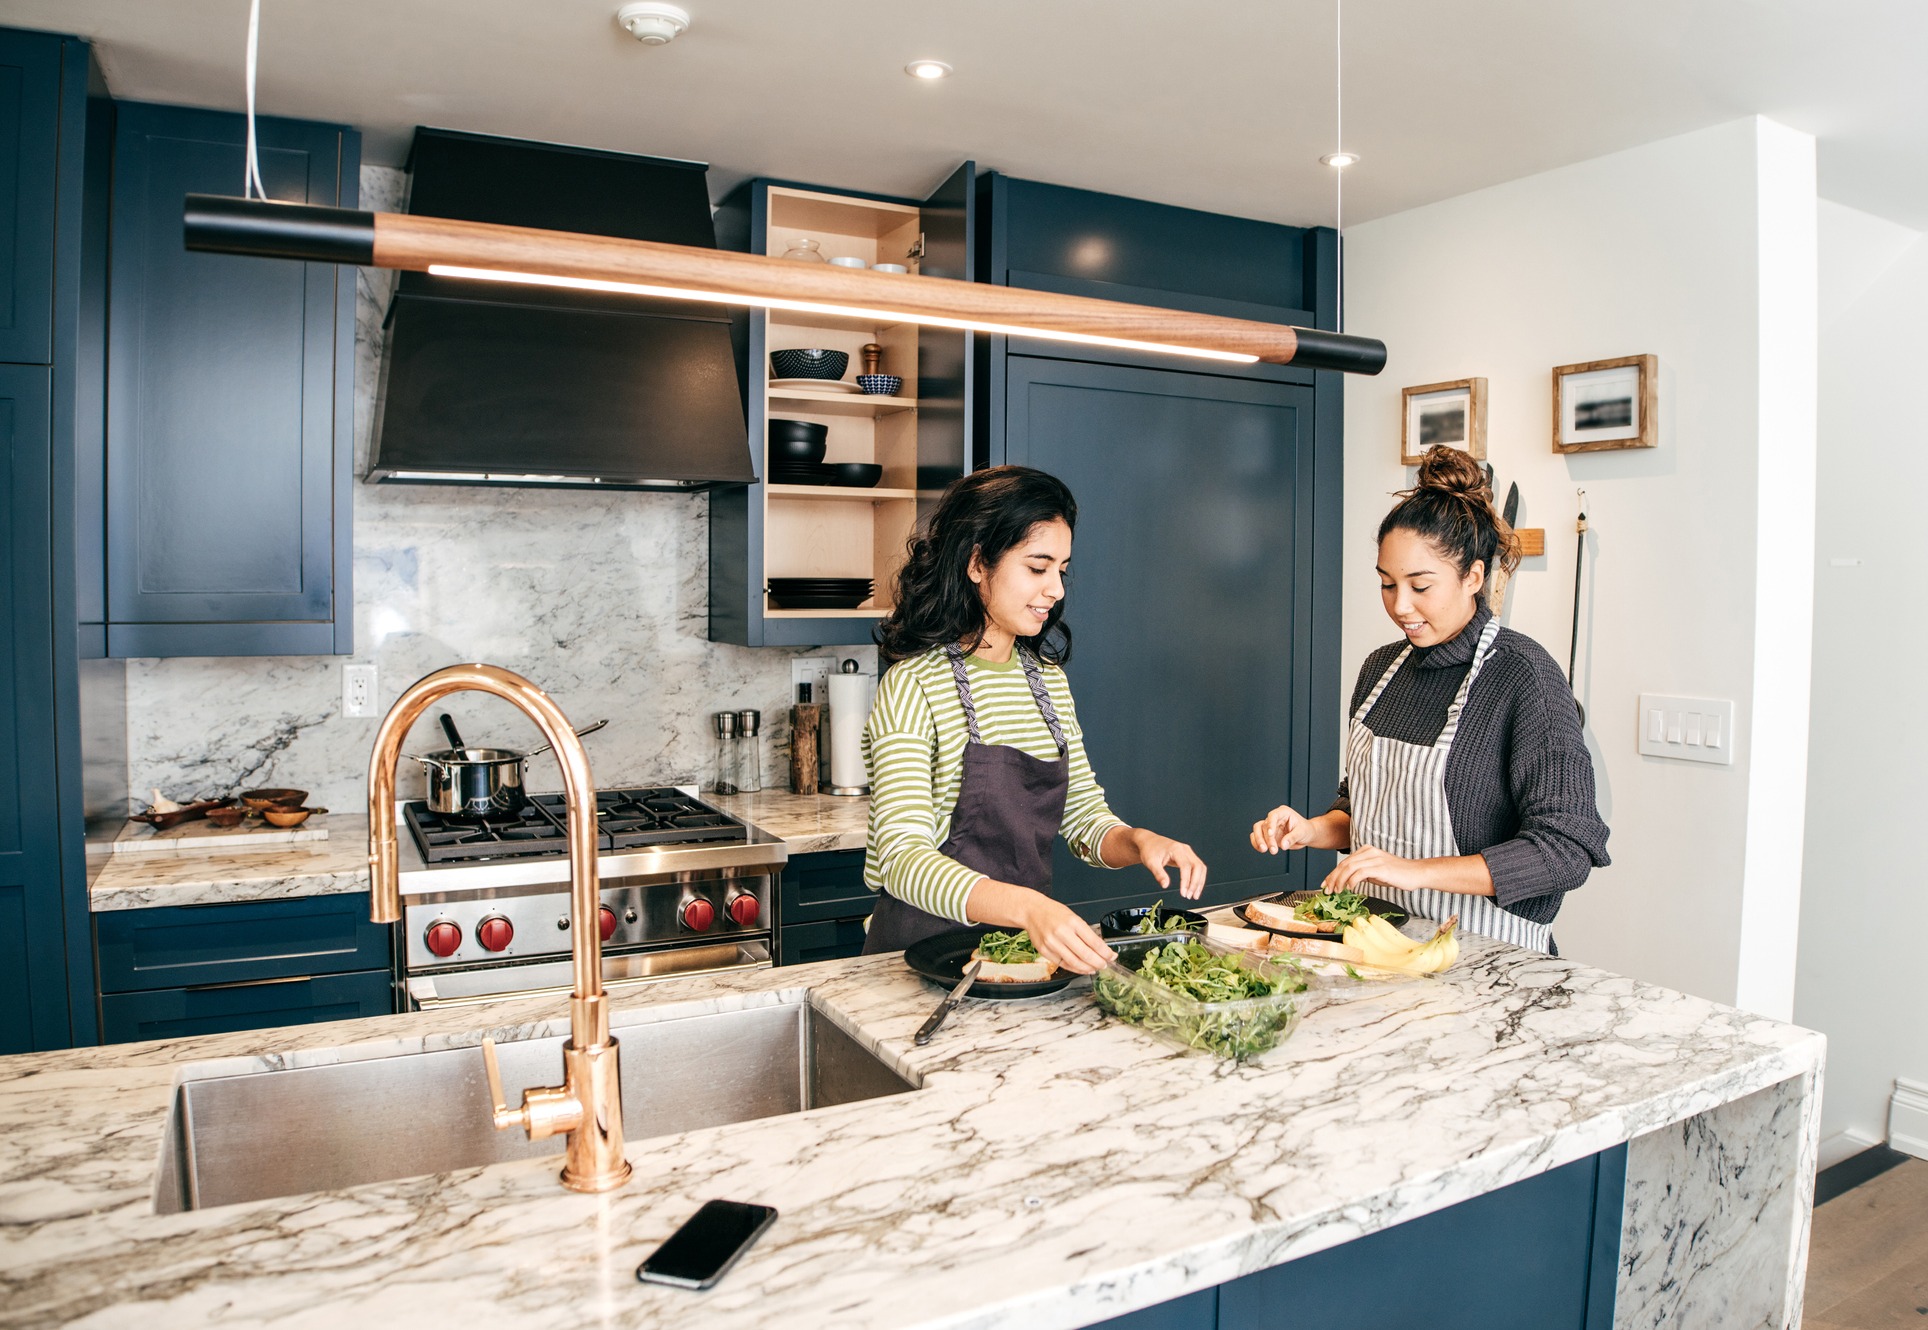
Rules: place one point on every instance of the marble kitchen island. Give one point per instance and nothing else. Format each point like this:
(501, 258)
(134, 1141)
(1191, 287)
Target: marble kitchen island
(1055, 1168)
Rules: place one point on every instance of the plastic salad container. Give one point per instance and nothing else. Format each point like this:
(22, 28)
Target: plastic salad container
(1266, 997)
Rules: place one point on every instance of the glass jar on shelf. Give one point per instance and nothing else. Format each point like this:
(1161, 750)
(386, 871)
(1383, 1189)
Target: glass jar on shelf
(805, 250)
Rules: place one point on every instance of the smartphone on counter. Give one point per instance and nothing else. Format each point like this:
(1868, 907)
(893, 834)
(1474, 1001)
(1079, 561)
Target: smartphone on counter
(707, 1245)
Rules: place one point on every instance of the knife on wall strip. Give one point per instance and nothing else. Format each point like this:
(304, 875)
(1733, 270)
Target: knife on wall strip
(929, 1027)
(1500, 576)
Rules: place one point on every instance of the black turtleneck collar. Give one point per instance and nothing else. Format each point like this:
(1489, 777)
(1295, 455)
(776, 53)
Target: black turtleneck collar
(1457, 650)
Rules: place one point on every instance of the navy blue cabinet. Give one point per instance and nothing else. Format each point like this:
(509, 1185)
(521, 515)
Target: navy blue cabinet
(207, 969)
(822, 904)
(1205, 596)
(230, 401)
(30, 77)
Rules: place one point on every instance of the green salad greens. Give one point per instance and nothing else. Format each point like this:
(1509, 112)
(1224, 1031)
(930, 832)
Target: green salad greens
(1171, 923)
(1007, 948)
(1338, 907)
(1186, 992)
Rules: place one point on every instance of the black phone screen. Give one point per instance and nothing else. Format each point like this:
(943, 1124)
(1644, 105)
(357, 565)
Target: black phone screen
(708, 1243)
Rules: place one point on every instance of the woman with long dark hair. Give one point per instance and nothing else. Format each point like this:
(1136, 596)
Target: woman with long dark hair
(975, 755)
(1468, 789)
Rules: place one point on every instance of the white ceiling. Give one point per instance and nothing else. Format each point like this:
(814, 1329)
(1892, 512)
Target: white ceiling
(1218, 104)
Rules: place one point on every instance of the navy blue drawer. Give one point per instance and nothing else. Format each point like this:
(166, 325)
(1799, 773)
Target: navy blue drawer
(181, 946)
(177, 1013)
(830, 940)
(824, 886)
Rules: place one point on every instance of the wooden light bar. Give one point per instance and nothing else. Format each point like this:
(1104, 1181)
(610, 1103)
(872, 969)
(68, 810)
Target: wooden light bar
(487, 252)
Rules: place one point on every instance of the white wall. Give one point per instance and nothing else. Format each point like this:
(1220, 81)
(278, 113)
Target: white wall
(1654, 250)
(1863, 910)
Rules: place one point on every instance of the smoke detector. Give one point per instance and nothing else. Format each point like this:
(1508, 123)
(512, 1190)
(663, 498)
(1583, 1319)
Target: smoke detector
(653, 24)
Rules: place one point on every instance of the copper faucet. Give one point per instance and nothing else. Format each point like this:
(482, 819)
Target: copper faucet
(588, 1105)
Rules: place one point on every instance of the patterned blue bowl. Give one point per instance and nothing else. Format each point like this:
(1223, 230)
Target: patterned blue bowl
(812, 364)
(880, 385)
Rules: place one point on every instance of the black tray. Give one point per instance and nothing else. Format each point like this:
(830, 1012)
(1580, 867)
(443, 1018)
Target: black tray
(1378, 905)
(1121, 923)
(942, 959)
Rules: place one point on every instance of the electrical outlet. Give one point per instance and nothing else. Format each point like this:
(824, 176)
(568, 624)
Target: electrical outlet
(357, 690)
(1691, 729)
(815, 671)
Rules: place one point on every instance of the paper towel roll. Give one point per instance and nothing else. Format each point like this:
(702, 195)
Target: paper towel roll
(850, 696)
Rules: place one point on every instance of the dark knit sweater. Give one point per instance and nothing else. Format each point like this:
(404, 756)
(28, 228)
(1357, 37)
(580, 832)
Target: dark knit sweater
(1519, 780)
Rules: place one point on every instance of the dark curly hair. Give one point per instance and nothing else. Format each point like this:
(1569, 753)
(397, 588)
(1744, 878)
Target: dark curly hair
(1452, 507)
(986, 513)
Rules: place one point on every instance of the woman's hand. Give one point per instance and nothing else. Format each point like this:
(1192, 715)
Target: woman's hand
(1281, 829)
(1366, 864)
(1062, 937)
(1124, 846)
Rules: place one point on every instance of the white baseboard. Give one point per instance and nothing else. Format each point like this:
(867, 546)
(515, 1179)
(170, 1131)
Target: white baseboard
(1908, 1118)
(1844, 1145)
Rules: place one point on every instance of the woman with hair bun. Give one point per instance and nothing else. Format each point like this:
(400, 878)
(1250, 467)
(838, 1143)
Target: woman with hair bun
(976, 760)
(1467, 788)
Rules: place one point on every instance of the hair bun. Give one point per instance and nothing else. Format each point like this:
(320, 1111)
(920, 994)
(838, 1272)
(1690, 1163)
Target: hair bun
(1454, 471)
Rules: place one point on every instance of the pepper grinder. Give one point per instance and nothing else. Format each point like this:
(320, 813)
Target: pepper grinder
(749, 752)
(725, 782)
(873, 358)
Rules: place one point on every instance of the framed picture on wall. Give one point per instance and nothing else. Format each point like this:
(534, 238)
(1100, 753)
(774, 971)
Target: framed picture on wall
(1450, 413)
(1606, 404)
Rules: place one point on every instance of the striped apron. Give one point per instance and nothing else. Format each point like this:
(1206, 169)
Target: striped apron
(1399, 805)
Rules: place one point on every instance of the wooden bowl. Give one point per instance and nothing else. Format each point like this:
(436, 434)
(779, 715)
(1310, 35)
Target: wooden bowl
(228, 816)
(264, 799)
(288, 817)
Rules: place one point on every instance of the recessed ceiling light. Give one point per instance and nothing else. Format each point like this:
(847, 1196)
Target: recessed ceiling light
(928, 69)
(1341, 160)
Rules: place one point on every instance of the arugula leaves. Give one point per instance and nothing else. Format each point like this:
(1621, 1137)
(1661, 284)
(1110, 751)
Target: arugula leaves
(1201, 998)
(1338, 907)
(1171, 923)
(1007, 948)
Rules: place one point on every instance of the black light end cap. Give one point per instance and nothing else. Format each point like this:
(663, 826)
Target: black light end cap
(1319, 349)
(222, 224)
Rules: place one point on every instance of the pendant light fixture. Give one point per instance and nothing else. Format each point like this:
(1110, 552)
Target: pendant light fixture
(486, 252)
(1339, 159)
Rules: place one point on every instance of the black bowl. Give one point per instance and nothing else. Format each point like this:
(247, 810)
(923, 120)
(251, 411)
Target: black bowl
(807, 430)
(815, 363)
(861, 475)
(793, 451)
(1123, 923)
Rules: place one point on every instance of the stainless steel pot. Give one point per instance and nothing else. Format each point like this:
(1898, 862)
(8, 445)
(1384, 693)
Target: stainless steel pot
(479, 782)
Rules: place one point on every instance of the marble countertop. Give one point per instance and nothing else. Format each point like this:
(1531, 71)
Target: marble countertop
(1054, 1168)
(808, 823)
(334, 866)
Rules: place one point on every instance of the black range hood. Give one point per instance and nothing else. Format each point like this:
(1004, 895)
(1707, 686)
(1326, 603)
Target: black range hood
(487, 384)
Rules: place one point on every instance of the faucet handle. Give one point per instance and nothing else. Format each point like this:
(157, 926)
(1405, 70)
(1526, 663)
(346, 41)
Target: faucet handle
(505, 1116)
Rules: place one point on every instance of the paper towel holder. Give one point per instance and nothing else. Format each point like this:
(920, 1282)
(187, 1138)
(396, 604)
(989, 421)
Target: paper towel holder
(847, 670)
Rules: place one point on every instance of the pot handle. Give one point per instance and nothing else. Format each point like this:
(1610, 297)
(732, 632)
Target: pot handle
(435, 762)
(587, 729)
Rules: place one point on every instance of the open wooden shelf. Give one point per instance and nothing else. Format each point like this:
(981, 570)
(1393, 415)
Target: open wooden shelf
(856, 493)
(825, 614)
(845, 404)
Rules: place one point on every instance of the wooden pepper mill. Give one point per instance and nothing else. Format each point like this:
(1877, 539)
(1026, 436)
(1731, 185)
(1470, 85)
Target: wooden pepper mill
(805, 719)
(873, 358)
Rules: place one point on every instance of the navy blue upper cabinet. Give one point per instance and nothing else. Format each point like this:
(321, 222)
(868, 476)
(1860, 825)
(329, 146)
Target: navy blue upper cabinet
(30, 75)
(230, 386)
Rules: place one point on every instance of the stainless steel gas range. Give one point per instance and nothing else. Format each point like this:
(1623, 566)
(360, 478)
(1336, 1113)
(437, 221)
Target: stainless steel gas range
(686, 889)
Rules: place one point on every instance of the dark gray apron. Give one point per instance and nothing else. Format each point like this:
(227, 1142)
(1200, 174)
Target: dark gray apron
(1010, 806)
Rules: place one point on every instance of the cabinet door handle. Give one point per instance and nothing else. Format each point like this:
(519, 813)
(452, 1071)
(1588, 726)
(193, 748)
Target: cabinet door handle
(248, 983)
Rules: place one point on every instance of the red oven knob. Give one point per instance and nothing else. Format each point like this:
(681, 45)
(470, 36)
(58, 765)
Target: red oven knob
(495, 933)
(608, 919)
(744, 909)
(442, 938)
(698, 915)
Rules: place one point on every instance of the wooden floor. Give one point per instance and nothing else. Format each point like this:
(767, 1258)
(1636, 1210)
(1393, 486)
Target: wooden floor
(1868, 1261)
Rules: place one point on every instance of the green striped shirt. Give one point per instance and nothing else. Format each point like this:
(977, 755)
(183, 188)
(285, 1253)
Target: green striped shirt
(914, 748)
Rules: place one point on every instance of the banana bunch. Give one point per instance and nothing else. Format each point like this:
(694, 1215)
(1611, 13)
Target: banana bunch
(1387, 947)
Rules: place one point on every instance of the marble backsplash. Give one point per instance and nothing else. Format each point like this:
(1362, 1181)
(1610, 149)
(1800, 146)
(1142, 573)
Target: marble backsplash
(602, 599)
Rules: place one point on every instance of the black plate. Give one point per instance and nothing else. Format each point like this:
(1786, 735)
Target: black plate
(1378, 905)
(942, 959)
(1120, 923)
(849, 602)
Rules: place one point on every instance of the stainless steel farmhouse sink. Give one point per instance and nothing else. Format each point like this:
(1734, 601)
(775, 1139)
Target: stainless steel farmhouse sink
(297, 1130)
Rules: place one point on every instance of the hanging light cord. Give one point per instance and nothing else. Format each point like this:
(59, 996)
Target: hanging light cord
(1339, 181)
(251, 186)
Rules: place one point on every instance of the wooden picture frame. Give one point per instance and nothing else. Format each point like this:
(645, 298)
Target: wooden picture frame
(1451, 413)
(1606, 404)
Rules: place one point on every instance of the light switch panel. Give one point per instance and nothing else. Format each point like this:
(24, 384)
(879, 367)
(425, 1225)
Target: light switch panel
(1689, 729)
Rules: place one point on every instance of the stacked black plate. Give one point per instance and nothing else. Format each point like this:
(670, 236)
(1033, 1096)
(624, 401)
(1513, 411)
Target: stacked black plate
(819, 593)
(860, 475)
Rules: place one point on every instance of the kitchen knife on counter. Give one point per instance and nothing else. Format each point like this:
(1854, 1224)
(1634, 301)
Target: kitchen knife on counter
(929, 1027)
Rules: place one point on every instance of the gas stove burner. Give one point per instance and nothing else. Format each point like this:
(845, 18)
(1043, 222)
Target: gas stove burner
(625, 819)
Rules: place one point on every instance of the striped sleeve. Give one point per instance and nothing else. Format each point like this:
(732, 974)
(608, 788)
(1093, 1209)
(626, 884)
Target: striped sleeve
(1087, 817)
(900, 748)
